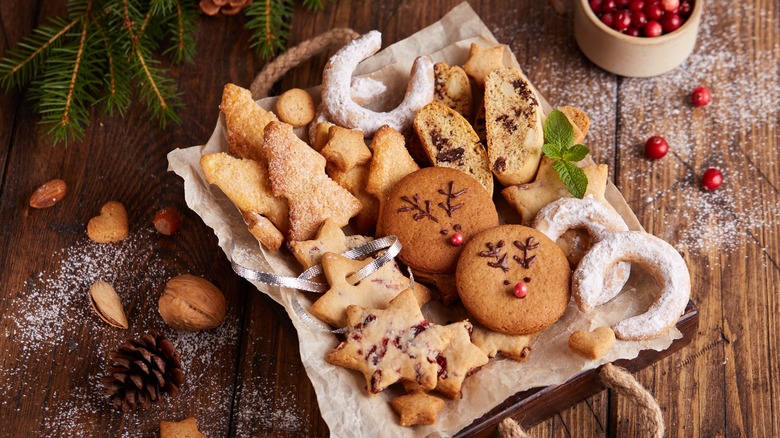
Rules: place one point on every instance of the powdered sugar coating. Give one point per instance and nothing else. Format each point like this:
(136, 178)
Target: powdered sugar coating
(365, 90)
(569, 213)
(658, 257)
(343, 110)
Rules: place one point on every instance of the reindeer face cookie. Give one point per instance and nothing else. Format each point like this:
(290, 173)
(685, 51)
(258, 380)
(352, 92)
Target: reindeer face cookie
(433, 211)
(514, 280)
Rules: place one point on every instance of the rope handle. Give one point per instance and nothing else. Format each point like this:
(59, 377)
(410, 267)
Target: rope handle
(295, 56)
(617, 379)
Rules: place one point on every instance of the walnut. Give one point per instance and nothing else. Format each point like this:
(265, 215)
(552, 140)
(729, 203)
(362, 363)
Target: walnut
(192, 303)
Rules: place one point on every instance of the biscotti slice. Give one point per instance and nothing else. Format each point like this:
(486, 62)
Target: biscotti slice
(450, 141)
(514, 127)
(452, 88)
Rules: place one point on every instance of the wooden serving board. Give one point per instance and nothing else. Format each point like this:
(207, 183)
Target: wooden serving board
(538, 404)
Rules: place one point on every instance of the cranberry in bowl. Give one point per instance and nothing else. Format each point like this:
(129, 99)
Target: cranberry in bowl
(637, 38)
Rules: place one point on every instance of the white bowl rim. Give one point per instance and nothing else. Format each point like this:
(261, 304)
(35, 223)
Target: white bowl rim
(695, 14)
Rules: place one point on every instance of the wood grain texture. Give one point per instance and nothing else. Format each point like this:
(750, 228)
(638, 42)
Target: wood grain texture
(250, 381)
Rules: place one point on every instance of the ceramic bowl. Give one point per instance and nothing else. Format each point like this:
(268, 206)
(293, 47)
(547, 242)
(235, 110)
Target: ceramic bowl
(633, 56)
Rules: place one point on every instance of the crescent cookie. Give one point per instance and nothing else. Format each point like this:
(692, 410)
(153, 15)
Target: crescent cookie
(344, 111)
(650, 252)
(572, 213)
(495, 261)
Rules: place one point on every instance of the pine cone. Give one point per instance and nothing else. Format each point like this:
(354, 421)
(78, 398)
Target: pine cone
(223, 7)
(142, 370)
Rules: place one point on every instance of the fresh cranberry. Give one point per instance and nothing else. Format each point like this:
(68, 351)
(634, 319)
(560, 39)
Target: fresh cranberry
(654, 11)
(671, 22)
(632, 31)
(652, 29)
(712, 179)
(595, 5)
(701, 96)
(656, 147)
(636, 5)
(608, 19)
(670, 6)
(622, 4)
(608, 6)
(457, 239)
(520, 290)
(638, 19)
(685, 9)
(622, 20)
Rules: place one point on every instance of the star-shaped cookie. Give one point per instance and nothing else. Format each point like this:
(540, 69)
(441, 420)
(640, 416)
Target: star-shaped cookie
(297, 173)
(492, 343)
(529, 198)
(394, 344)
(459, 360)
(417, 408)
(330, 238)
(374, 291)
(345, 148)
(482, 61)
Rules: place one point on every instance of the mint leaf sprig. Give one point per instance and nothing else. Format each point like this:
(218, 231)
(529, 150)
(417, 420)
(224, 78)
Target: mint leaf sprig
(559, 146)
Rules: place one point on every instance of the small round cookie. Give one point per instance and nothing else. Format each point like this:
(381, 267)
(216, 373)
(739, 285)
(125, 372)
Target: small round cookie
(430, 210)
(502, 264)
(296, 107)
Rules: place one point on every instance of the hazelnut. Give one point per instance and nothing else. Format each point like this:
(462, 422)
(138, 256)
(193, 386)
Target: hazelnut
(192, 303)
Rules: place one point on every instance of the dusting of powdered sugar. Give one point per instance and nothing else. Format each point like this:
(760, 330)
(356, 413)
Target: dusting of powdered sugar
(733, 133)
(52, 316)
(258, 412)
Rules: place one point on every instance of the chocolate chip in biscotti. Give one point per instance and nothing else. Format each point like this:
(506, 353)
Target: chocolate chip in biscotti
(430, 205)
(450, 141)
(514, 129)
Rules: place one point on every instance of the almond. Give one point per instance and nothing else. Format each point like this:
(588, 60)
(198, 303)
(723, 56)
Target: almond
(50, 193)
(107, 305)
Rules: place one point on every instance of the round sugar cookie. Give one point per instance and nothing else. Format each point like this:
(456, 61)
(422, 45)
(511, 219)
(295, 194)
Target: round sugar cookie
(496, 260)
(427, 207)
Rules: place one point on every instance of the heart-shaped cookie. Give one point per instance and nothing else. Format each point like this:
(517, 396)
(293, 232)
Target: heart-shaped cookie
(593, 345)
(110, 226)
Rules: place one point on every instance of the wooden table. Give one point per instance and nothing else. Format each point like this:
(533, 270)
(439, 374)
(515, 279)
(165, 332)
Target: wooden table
(246, 378)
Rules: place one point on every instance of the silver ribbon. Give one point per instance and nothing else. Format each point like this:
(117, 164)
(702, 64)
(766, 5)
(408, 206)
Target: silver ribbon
(303, 281)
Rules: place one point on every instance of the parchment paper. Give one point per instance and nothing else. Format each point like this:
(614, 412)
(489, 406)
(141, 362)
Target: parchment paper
(344, 403)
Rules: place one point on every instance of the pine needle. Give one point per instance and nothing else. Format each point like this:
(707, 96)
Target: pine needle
(314, 5)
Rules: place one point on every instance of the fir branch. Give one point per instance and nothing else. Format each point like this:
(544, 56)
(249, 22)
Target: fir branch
(156, 89)
(181, 36)
(66, 89)
(269, 22)
(22, 64)
(64, 121)
(117, 81)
